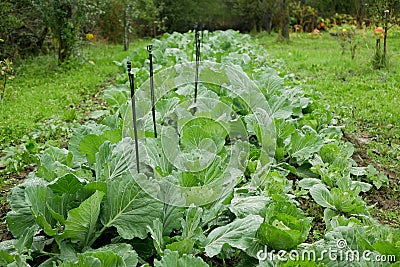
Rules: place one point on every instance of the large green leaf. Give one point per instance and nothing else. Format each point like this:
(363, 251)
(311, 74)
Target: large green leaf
(118, 255)
(107, 258)
(129, 208)
(387, 248)
(191, 224)
(283, 129)
(171, 216)
(90, 144)
(348, 201)
(116, 96)
(87, 261)
(244, 205)
(68, 184)
(114, 160)
(54, 162)
(308, 183)
(102, 258)
(37, 195)
(24, 243)
(192, 160)
(172, 259)
(59, 206)
(165, 108)
(81, 132)
(285, 226)
(21, 217)
(281, 106)
(196, 130)
(264, 128)
(156, 233)
(322, 196)
(156, 158)
(239, 234)
(81, 222)
(5, 257)
(278, 235)
(182, 247)
(303, 146)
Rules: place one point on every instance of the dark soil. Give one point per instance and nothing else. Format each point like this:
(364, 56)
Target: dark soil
(384, 199)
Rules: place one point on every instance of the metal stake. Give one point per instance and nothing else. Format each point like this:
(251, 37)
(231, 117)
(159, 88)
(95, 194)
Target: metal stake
(132, 86)
(196, 81)
(196, 30)
(202, 33)
(153, 108)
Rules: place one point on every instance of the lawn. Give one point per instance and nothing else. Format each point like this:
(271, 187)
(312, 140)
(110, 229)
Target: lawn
(42, 90)
(364, 100)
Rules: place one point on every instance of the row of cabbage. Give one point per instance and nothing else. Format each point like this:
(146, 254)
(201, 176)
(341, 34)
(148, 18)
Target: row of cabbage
(232, 179)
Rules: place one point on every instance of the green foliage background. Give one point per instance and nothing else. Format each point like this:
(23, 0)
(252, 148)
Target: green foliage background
(34, 26)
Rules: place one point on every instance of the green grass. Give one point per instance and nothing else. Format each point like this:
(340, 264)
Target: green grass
(366, 101)
(42, 90)
(45, 100)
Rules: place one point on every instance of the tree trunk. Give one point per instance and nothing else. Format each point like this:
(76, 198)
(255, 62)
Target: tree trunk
(269, 21)
(66, 31)
(126, 30)
(63, 48)
(360, 14)
(254, 25)
(384, 40)
(285, 19)
(42, 37)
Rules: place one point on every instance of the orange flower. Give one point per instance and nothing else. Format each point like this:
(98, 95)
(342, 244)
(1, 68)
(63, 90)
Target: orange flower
(378, 31)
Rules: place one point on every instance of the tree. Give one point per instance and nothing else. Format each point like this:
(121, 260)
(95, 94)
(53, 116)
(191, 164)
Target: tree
(327, 8)
(387, 12)
(65, 19)
(21, 33)
(267, 8)
(182, 15)
(360, 10)
(285, 19)
(127, 18)
(146, 16)
(248, 10)
(262, 14)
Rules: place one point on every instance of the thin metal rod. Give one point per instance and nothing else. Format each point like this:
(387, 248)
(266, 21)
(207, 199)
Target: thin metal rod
(202, 33)
(153, 107)
(132, 86)
(196, 29)
(196, 81)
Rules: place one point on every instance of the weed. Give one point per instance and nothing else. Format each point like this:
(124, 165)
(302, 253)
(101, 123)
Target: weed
(7, 72)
